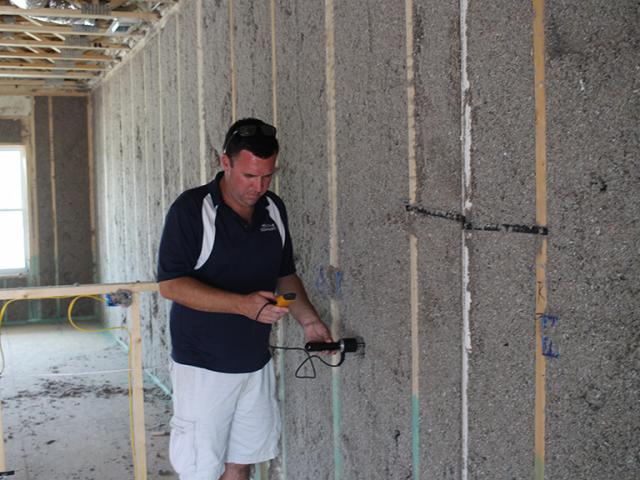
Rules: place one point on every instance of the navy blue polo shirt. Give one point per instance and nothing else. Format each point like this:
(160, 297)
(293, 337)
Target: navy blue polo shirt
(205, 239)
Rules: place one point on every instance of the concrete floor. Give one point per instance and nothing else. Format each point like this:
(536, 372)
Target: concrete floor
(77, 426)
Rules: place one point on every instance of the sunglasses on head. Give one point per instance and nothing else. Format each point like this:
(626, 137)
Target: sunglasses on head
(250, 131)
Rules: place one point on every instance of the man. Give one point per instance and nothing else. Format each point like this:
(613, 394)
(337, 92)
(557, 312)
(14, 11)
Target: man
(225, 250)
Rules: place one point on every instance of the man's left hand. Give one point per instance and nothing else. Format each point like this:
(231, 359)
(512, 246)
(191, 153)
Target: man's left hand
(317, 331)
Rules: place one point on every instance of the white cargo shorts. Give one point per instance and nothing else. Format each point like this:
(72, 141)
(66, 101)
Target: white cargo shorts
(222, 418)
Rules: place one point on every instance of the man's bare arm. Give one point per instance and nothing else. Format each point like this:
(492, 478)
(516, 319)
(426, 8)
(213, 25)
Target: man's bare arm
(314, 329)
(194, 294)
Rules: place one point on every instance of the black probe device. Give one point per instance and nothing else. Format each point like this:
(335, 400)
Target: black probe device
(342, 345)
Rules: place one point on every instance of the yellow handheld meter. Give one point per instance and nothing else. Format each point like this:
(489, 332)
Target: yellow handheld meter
(285, 300)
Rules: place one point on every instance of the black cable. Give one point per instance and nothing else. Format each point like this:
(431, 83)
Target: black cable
(262, 308)
(310, 360)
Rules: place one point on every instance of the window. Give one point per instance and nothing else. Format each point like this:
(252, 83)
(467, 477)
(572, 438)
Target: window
(14, 233)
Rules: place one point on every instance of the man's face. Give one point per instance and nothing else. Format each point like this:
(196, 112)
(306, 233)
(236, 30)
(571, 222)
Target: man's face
(248, 178)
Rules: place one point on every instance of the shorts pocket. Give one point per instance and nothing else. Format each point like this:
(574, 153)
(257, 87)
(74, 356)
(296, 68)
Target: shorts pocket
(182, 445)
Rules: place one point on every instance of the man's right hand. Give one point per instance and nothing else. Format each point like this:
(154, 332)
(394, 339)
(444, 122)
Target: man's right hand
(260, 306)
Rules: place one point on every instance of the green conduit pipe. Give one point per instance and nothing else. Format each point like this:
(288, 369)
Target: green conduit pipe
(415, 431)
(337, 424)
(283, 435)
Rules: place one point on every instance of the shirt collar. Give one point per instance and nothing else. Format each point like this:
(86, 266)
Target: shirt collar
(214, 189)
(259, 211)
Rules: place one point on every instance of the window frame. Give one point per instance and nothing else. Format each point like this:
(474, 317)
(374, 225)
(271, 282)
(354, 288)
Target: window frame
(18, 272)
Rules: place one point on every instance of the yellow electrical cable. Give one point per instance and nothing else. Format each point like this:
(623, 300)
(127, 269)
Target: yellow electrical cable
(86, 330)
(2, 311)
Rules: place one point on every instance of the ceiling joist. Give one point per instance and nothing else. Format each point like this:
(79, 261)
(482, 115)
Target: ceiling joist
(8, 42)
(53, 30)
(87, 57)
(66, 13)
(51, 91)
(26, 74)
(52, 66)
(39, 82)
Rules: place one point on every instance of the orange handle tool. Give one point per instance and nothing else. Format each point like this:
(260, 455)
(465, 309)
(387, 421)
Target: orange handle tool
(285, 300)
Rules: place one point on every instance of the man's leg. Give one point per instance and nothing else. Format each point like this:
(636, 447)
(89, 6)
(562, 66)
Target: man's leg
(255, 429)
(235, 471)
(204, 404)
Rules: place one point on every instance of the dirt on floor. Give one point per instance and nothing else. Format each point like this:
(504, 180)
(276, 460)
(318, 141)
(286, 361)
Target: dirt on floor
(65, 407)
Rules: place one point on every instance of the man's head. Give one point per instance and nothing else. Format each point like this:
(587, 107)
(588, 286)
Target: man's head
(253, 135)
(249, 157)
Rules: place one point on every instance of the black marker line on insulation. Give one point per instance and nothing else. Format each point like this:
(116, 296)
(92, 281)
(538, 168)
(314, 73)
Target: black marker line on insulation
(456, 217)
(490, 227)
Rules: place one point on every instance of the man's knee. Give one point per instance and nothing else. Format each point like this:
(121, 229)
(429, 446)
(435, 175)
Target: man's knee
(235, 471)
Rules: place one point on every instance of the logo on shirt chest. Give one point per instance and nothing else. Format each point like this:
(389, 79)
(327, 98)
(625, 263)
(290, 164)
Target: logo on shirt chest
(267, 227)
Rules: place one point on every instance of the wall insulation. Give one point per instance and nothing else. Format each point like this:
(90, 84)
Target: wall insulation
(462, 186)
(54, 132)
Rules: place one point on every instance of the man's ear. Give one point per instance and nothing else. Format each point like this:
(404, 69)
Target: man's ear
(225, 162)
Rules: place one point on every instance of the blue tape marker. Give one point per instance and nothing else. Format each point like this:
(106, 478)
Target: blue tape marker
(321, 281)
(549, 320)
(547, 348)
(339, 284)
